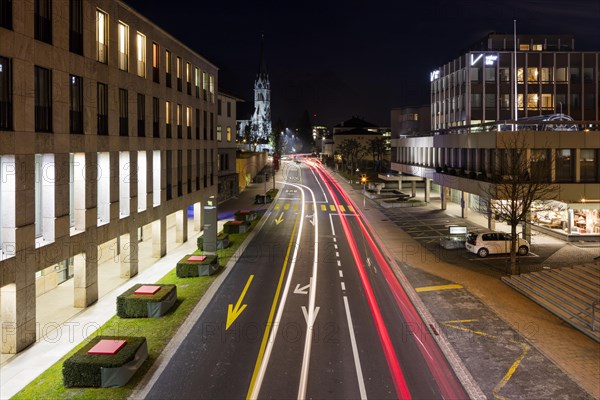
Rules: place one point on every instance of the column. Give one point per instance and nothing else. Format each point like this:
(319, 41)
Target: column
(18, 298)
(129, 253)
(464, 204)
(414, 188)
(85, 279)
(444, 194)
(159, 237)
(197, 217)
(527, 227)
(427, 183)
(491, 222)
(181, 226)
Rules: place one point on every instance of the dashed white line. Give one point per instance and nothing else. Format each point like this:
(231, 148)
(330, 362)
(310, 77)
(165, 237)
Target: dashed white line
(359, 374)
(343, 286)
(341, 274)
(337, 254)
(339, 263)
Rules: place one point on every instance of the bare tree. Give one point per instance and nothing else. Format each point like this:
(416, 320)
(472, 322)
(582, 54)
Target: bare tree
(521, 180)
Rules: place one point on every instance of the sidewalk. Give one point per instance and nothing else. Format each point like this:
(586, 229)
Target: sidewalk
(70, 325)
(571, 350)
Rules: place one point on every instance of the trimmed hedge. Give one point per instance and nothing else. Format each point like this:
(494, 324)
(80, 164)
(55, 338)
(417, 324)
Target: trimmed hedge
(130, 305)
(272, 193)
(191, 269)
(222, 241)
(245, 215)
(236, 227)
(85, 370)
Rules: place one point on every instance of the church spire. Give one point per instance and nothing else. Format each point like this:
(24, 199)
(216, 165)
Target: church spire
(262, 67)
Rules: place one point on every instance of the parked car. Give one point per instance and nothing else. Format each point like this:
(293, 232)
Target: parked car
(490, 242)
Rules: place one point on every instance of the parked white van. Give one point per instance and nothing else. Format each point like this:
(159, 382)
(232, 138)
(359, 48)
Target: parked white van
(490, 242)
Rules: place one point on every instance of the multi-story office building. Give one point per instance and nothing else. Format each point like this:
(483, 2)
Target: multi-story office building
(473, 104)
(410, 120)
(550, 77)
(227, 147)
(107, 137)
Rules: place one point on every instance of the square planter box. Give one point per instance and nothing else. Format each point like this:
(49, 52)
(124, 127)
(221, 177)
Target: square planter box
(236, 227)
(105, 370)
(194, 265)
(152, 305)
(222, 241)
(245, 215)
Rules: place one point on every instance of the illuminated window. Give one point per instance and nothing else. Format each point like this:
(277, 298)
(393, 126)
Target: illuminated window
(197, 81)
(212, 88)
(188, 121)
(546, 75)
(532, 101)
(520, 75)
(168, 118)
(537, 47)
(123, 43)
(168, 68)
(219, 133)
(188, 77)
(155, 62)
(520, 101)
(179, 117)
(561, 74)
(524, 47)
(547, 102)
(532, 75)
(229, 134)
(204, 85)
(101, 36)
(141, 54)
(179, 72)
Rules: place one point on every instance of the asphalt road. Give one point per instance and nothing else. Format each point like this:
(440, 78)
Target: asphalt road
(310, 310)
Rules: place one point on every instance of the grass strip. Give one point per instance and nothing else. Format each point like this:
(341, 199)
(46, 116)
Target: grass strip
(158, 332)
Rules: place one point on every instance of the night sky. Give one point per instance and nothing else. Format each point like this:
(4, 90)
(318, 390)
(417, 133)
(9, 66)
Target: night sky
(341, 59)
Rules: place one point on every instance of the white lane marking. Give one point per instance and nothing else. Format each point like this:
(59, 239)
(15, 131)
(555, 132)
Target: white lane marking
(332, 228)
(343, 286)
(312, 312)
(339, 263)
(334, 239)
(335, 246)
(359, 374)
(337, 254)
(341, 274)
(277, 321)
(319, 182)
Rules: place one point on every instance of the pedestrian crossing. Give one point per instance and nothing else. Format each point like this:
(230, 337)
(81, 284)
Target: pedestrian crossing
(287, 206)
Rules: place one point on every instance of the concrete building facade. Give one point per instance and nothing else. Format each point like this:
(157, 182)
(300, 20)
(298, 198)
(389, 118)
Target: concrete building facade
(107, 136)
(474, 109)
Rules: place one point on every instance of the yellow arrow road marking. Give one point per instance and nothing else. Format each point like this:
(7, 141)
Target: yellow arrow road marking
(234, 312)
(280, 219)
(438, 287)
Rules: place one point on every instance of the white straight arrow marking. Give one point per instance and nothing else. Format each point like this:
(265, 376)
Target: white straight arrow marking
(305, 312)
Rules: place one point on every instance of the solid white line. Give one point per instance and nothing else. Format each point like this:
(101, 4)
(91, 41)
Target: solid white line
(332, 228)
(277, 321)
(359, 374)
(311, 309)
(341, 273)
(319, 182)
(343, 286)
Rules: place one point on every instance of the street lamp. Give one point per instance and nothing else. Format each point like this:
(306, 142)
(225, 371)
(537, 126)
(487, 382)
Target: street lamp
(363, 182)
